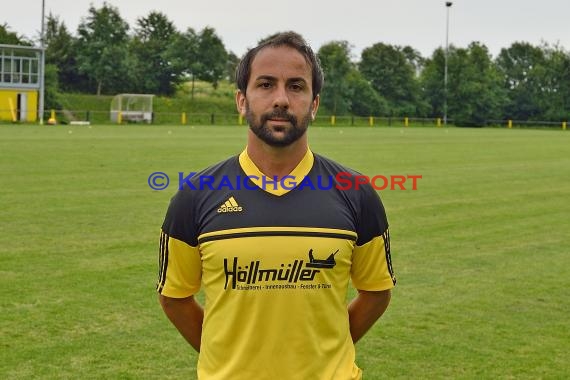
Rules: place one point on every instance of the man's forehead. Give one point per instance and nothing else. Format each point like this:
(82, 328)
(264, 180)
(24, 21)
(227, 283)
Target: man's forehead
(280, 59)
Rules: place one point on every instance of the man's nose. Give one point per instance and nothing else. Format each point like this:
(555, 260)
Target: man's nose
(281, 99)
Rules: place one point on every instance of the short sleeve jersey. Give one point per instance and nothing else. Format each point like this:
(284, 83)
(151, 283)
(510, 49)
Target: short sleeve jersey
(274, 259)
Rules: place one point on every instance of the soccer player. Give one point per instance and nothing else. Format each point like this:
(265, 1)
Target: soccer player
(274, 257)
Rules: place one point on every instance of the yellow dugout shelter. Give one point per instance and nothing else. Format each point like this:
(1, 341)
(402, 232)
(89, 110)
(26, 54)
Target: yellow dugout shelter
(19, 83)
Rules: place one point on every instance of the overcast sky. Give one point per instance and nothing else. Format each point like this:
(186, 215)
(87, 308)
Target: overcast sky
(417, 23)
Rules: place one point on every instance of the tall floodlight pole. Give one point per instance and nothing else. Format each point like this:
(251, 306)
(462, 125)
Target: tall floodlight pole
(448, 5)
(42, 67)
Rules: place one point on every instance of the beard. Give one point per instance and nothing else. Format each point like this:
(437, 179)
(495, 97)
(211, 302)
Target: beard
(266, 134)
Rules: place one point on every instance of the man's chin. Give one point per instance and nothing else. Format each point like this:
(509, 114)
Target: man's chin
(277, 142)
(281, 135)
(277, 139)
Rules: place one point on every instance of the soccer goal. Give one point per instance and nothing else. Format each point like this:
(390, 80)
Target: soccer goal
(134, 108)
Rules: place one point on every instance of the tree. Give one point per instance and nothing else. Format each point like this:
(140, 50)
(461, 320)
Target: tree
(11, 38)
(336, 64)
(475, 91)
(103, 52)
(211, 57)
(365, 101)
(414, 58)
(200, 56)
(154, 72)
(61, 48)
(431, 82)
(231, 66)
(52, 94)
(522, 68)
(556, 89)
(391, 71)
(184, 55)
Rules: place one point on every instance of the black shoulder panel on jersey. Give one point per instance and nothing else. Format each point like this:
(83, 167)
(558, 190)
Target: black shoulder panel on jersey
(181, 221)
(370, 213)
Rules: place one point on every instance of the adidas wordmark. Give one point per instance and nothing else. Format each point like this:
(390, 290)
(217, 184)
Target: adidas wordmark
(230, 206)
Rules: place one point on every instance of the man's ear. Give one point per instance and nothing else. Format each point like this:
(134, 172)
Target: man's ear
(315, 106)
(240, 102)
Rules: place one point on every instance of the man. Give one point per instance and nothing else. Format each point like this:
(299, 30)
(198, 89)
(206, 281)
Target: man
(273, 254)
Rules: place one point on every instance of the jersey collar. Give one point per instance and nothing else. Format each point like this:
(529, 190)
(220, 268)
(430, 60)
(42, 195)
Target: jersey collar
(280, 187)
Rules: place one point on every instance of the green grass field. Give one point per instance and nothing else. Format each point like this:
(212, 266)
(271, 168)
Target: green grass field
(481, 249)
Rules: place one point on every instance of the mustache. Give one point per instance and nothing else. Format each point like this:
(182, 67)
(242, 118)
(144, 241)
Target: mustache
(279, 114)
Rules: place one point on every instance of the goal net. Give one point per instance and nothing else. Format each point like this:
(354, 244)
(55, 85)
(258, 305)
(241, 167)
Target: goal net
(132, 108)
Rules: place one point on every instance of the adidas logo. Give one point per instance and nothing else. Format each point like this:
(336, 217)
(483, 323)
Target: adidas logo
(230, 206)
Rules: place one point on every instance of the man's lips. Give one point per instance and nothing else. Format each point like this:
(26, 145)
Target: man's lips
(280, 121)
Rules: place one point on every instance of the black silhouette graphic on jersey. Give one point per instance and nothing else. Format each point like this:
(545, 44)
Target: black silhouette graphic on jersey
(329, 262)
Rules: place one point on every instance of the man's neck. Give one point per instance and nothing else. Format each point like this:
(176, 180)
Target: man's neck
(276, 161)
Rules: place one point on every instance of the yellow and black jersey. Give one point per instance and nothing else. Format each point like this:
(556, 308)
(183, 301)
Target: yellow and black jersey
(274, 259)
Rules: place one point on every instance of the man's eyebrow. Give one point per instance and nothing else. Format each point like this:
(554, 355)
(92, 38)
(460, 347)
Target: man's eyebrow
(297, 79)
(266, 77)
(272, 78)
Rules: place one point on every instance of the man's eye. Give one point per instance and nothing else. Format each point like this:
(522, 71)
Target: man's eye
(296, 87)
(265, 85)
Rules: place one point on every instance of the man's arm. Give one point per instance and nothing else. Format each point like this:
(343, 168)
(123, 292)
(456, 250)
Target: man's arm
(186, 315)
(364, 311)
